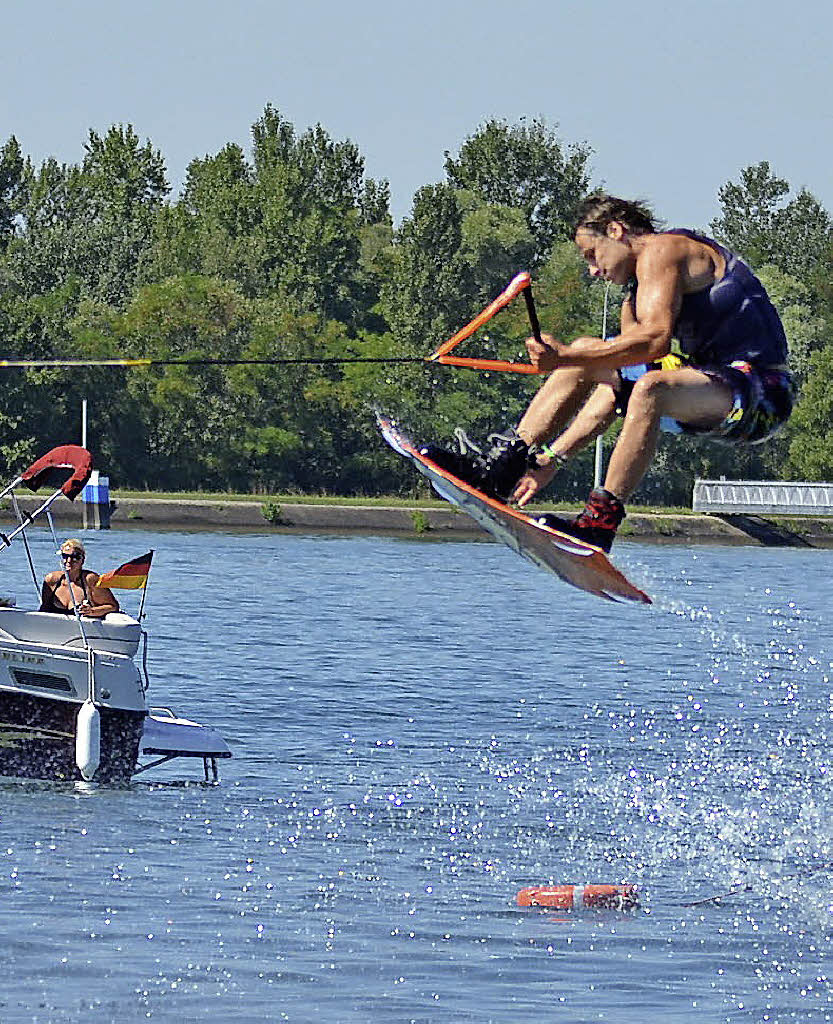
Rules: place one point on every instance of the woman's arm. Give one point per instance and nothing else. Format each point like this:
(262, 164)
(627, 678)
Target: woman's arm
(47, 593)
(100, 601)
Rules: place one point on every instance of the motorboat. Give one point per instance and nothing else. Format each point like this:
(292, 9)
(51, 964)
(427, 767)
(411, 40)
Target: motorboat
(73, 699)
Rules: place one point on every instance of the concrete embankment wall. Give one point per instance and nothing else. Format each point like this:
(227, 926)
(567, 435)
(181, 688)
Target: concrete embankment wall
(164, 513)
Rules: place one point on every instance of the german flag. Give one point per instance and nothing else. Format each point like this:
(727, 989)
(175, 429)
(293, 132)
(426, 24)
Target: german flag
(133, 575)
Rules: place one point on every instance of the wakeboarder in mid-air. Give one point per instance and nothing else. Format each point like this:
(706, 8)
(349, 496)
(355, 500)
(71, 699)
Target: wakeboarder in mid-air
(726, 378)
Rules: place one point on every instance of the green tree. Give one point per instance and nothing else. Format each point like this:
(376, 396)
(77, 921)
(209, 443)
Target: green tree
(213, 229)
(806, 330)
(748, 211)
(123, 186)
(164, 427)
(313, 201)
(496, 243)
(14, 175)
(301, 223)
(38, 254)
(525, 167)
(33, 407)
(811, 436)
(426, 296)
(92, 223)
(758, 224)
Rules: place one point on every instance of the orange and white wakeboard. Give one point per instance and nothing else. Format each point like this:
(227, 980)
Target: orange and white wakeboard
(574, 561)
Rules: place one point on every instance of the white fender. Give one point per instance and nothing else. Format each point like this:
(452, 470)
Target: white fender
(88, 740)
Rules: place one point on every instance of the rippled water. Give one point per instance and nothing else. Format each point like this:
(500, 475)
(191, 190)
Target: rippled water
(420, 729)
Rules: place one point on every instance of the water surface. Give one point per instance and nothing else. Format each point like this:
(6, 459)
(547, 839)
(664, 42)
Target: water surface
(421, 729)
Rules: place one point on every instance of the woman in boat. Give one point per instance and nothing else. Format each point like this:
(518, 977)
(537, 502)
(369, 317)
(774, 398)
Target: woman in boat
(56, 595)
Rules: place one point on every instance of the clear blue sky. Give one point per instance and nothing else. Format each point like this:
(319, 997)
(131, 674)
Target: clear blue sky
(674, 98)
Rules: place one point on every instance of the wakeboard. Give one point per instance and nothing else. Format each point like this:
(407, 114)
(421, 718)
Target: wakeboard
(580, 564)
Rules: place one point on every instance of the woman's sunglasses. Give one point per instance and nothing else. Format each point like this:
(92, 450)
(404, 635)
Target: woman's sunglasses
(71, 556)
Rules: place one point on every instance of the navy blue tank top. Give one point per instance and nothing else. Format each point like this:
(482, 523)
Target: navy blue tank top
(731, 319)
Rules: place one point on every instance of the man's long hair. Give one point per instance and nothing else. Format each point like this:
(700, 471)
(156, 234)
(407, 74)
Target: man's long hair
(599, 209)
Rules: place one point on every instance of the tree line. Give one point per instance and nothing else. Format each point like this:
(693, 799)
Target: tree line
(289, 252)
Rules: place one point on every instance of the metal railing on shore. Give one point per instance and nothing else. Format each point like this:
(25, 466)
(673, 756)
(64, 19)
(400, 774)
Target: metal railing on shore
(762, 497)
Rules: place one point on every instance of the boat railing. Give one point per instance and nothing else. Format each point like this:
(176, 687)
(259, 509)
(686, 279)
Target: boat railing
(145, 676)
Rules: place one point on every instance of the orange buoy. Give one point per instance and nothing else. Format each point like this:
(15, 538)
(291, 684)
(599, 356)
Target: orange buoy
(571, 897)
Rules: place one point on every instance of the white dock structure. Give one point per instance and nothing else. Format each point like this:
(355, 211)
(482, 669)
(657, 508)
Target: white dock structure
(762, 497)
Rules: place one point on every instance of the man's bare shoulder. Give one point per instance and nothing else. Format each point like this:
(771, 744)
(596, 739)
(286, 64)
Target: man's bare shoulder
(666, 248)
(666, 256)
(697, 263)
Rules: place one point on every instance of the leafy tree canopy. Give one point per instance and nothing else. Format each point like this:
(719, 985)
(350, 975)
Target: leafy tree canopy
(758, 224)
(289, 251)
(525, 167)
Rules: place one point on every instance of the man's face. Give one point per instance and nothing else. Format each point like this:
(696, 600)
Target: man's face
(608, 255)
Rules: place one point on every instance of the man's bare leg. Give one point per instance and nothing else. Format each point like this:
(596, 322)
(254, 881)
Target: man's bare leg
(686, 395)
(555, 404)
(558, 400)
(592, 419)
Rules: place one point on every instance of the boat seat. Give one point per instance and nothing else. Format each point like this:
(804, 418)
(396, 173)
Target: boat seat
(116, 633)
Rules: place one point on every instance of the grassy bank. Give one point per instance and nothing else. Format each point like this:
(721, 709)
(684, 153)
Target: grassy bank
(387, 501)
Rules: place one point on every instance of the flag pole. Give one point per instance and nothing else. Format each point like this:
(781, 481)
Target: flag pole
(145, 587)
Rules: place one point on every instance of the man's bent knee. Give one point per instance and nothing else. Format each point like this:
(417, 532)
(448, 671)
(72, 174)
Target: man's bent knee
(649, 392)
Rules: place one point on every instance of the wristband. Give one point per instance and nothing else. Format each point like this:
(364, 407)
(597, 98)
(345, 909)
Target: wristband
(559, 458)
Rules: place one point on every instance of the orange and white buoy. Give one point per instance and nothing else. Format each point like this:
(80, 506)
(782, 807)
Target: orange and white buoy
(573, 897)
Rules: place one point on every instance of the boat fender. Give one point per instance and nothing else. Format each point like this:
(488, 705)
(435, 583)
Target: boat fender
(88, 740)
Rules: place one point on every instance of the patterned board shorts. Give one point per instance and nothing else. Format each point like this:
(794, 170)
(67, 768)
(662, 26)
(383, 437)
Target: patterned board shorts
(762, 401)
